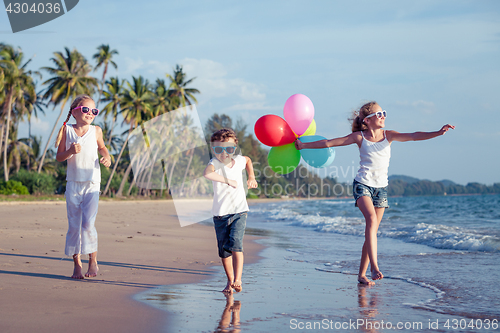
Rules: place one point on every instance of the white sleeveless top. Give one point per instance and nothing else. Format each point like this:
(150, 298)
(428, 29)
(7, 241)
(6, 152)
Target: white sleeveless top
(374, 162)
(84, 166)
(229, 200)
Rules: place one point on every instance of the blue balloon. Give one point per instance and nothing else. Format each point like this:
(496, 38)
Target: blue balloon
(317, 158)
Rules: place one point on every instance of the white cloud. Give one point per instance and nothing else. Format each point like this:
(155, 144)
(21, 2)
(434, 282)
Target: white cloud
(212, 79)
(38, 125)
(132, 65)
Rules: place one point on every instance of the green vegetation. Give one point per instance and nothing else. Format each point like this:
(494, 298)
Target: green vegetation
(13, 187)
(407, 186)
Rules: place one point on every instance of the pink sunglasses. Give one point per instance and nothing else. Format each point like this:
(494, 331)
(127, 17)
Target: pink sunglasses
(86, 109)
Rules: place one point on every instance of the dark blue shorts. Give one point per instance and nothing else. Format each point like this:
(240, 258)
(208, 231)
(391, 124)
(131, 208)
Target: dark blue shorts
(229, 230)
(377, 194)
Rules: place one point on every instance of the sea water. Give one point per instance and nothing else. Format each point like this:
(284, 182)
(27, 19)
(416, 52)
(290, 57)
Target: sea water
(450, 244)
(439, 255)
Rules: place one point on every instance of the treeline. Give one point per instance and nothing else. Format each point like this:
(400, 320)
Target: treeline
(400, 187)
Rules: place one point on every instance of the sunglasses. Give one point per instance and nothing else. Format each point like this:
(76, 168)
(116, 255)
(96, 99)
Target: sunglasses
(229, 150)
(86, 109)
(379, 114)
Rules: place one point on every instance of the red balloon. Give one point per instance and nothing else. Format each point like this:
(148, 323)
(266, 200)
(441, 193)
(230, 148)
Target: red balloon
(273, 131)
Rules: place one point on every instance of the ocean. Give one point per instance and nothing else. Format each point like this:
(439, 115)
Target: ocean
(440, 257)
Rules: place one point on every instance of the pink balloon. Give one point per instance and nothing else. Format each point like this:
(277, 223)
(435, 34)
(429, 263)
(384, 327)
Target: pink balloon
(299, 113)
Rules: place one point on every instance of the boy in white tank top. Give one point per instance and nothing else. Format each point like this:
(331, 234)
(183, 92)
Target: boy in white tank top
(230, 206)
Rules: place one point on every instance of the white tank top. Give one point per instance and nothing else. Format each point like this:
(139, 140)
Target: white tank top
(84, 166)
(374, 162)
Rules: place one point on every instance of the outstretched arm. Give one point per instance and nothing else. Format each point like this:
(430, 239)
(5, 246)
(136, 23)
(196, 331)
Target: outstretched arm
(417, 136)
(337, 142)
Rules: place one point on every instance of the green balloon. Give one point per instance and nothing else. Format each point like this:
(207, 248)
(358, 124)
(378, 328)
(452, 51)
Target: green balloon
(283, 159)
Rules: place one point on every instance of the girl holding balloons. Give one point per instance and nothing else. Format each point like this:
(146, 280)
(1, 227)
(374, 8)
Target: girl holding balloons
(370, 184)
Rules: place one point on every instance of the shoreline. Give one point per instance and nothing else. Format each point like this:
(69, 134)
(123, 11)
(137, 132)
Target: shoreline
(141, 246)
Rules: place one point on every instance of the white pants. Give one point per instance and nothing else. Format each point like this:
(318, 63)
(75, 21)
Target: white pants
(82, 199)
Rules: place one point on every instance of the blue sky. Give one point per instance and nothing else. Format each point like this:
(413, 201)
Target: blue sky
(427, 63)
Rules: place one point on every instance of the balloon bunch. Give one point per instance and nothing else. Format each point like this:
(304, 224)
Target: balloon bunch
(281, 134)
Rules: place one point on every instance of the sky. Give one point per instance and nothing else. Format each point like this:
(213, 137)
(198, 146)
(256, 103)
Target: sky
(428, 63)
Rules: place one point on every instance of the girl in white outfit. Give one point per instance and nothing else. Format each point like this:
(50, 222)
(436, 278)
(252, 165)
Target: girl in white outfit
(370, 184)
(79, 143)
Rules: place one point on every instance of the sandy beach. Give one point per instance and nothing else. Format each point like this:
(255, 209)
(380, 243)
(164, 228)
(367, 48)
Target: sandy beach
(141, 246)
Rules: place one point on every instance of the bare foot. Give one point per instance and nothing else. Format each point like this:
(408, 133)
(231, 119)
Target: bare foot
(364, 280)
(237, 286)
(93, 269)
(77, 271)
(377, 275)
(228, 289)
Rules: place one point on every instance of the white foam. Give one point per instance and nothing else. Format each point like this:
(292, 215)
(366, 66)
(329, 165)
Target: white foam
(433, 235)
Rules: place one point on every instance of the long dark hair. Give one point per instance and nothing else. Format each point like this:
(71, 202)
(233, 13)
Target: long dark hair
(359, 115)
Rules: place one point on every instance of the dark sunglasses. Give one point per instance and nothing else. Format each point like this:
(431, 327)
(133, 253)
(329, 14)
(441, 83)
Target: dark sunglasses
(219, 150)
(86, 109)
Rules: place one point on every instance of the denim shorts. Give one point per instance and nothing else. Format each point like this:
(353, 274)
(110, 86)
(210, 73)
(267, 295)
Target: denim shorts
(377, 194)
(229, 230)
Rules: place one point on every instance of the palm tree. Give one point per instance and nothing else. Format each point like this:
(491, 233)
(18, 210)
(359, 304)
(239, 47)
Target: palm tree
(178, 87)
(34, 105)
(17, 81)
(70, 78)
(103, 57)
(135, 107)
(19, 150)
(163, 102)
(113, 97)
(2, 101)
(34, 143)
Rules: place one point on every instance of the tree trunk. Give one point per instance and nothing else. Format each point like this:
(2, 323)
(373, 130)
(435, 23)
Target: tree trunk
(8, 105)
(130, 188)
(122, 184)
(125, 177)
(139, 171)
(171, 174)
(152, 168)
(191, 153)
(111, 132)
(1, 137)
(117, 161)
(50, 136)
(142, 175)
(165, 168)
(133, 181)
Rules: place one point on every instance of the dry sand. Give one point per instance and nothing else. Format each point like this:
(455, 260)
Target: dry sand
(141, 245)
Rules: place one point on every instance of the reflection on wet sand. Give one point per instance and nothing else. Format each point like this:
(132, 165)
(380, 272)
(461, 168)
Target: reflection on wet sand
(368, 303)
(230, 319)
